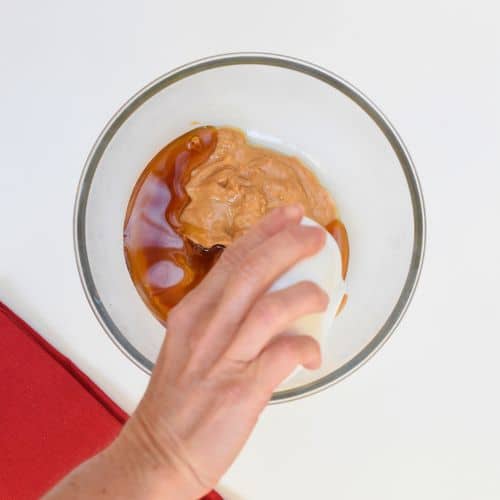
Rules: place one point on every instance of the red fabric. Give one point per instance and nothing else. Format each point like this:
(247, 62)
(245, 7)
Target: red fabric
(52, 416)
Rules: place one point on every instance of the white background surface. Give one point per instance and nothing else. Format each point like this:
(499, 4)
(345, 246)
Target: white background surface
(421, 419)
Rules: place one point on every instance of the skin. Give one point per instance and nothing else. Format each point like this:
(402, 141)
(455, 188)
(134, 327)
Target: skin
(225, 352)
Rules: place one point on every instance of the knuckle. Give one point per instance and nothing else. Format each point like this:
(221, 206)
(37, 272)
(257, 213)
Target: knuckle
(287, 351)
(297, 240)
(268, 310)
(265, 228)
(250, 268)
(307, 238)
(293, 236)
(259, 231)
(231, 258)
(229, 368)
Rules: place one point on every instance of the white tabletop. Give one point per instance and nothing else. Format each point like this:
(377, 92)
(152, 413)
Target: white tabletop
(421, 420)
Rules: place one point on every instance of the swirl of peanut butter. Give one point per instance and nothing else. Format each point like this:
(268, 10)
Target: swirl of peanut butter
(239, 183)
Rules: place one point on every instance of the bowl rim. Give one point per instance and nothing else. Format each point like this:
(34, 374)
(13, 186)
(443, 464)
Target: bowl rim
(290, 63)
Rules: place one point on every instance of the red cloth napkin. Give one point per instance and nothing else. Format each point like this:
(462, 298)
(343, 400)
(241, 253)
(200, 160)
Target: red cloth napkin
(52, 416)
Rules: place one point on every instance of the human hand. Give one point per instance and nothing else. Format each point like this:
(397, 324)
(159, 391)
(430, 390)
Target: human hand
(223, 356)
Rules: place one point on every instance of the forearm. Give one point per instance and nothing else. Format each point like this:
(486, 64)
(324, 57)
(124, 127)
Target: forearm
(123, 470)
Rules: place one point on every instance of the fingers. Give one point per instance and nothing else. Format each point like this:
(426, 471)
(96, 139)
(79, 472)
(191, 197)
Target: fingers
(267, 227)
(282, 356)
(234, 256)
(272, 314)
(265, 264)
(262, 266)
(210, 289)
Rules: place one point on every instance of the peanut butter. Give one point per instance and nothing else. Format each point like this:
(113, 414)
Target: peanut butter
(239, 183)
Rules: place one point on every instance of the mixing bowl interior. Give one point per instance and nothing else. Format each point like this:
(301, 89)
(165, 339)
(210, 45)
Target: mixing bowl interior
(298, 109)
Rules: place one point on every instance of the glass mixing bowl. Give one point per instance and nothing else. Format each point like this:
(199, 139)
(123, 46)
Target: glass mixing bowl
(292, 106)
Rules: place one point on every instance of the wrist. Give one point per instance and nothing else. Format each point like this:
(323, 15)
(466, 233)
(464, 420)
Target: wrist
(154, 473)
